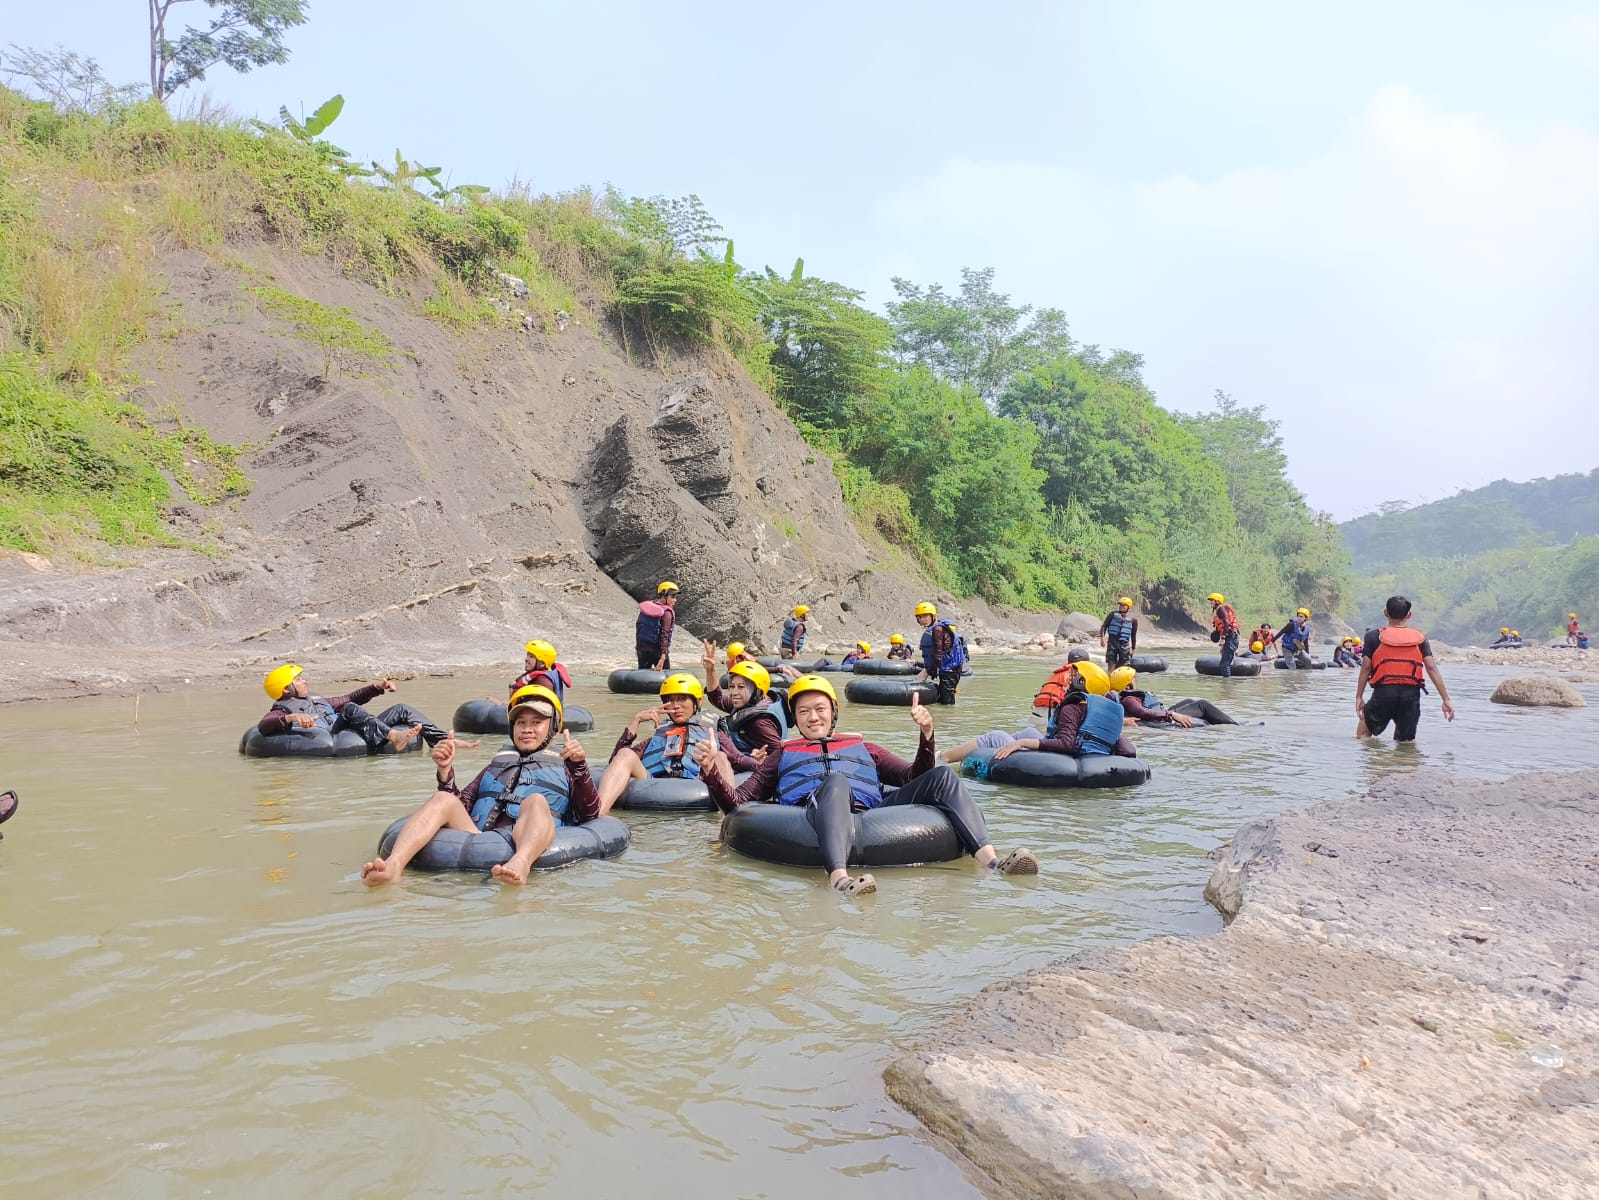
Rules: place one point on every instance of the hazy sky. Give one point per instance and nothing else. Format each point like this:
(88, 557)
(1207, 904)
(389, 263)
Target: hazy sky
(1380, 221)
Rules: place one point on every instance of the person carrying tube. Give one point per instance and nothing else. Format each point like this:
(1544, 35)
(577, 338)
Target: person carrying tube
(792, 639)
(943, 653)
(652, 635)
(897, 649)
(540, 782)
(834, 775)
(1224, 631)
(753, 726)
(1393, 661)
(295, 707)
(669, 751)
(1118, 634)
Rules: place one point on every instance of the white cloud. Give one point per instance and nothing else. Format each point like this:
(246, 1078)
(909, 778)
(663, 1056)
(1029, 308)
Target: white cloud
(1431, 277)
(1577, 36)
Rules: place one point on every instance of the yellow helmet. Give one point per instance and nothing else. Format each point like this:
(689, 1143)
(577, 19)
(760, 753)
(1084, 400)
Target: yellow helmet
(864, 647)
(681, 683)
(811, 683)
(1302, 612)
(1257, 646)
(924, 609)
(1122, 678)
(897, 639)
(1515, 633)
(1095, 681)
(1571, 616)
(1127, 600)
(1216, 598)
(735, 651)
(801, 610)
(748, 668)
(278, 679)
(1504, 629)
(666, 585)
(529, 697)
(542, 651)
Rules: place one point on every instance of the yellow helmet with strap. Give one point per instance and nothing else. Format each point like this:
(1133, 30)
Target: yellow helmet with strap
(543, 651)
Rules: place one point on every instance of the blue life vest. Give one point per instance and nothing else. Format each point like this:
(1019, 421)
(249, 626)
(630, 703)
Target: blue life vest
(1101, 727)
(1296, 636)
(793, 635)
(1148, 699)
(512, 778)
(1119, 630)
(957, 653)
(648, 630)
(669, 754)
(806, 762)
(316, 706)
(735, 724)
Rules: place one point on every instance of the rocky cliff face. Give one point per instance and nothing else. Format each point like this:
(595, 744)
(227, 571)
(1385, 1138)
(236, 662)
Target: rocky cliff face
(446, 504)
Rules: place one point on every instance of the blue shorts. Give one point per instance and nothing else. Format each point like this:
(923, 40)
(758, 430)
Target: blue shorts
(996, 738)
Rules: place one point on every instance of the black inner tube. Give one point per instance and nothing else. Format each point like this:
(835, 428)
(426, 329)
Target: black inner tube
(905, 835)
(876, 689)
(457, 850)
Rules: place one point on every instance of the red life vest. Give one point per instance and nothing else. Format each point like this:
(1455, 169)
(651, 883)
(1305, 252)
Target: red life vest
(1054, 690)
(1572, 626)
(1225, 619)
(1397, 658)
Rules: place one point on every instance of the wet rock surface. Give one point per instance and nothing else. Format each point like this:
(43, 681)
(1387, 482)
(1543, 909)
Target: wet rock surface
(1533, 691)
(1405, 1003)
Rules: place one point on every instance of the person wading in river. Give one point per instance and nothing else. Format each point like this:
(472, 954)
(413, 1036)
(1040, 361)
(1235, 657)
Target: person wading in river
(1393, 661)
(1118, 634)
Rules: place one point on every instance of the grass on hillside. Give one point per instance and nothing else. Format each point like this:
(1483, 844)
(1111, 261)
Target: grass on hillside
(88, 203)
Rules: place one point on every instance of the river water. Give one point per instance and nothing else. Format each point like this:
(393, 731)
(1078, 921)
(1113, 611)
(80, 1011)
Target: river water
(200, 998)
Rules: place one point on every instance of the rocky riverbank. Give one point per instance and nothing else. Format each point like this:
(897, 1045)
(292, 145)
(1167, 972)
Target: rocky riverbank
(1405, 1003)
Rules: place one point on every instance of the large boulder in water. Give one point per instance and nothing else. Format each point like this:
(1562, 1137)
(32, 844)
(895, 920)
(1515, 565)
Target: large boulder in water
(1533, 691)
(1077, 622)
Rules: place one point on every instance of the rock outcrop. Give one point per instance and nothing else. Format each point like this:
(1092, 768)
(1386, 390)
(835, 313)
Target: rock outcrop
(1405, 1003)
(442, 505)
(1533, 691)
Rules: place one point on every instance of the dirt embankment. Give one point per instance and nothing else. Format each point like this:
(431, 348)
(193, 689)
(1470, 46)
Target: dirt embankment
(1406, 1004)
(440, 507)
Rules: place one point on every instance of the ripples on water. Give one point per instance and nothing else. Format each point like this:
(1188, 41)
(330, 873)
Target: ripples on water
(201, 998)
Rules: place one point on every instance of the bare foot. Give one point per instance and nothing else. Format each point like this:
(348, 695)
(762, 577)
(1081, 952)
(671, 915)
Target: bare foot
(513, 872)
(401, 738)
(378, 872)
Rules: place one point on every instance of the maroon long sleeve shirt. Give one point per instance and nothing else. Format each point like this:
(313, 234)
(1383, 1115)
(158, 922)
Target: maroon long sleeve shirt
(1134, 707)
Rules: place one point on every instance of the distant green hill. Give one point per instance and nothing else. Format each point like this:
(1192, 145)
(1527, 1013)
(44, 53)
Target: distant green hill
(1544, 512)
(1516, 554)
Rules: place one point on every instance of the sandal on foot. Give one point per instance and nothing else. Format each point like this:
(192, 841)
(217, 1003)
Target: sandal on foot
(8, 805)
(1018, 862)
(855, 885)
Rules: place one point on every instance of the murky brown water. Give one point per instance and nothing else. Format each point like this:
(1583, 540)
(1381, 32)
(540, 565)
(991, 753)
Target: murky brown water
(199, 997)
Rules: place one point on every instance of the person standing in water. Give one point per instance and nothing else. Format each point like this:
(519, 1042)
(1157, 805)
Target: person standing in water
(1118, 634)
(1224, 631)
(1393, 661)
(653, 634)
(792, 640)
(1573, 630)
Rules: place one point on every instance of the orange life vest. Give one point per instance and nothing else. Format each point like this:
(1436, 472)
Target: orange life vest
(1572, 626)
(1397, 658)
(1225, 619)
(1054, 690)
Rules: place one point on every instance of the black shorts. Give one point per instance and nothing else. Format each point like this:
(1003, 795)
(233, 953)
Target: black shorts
(1397, 703)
